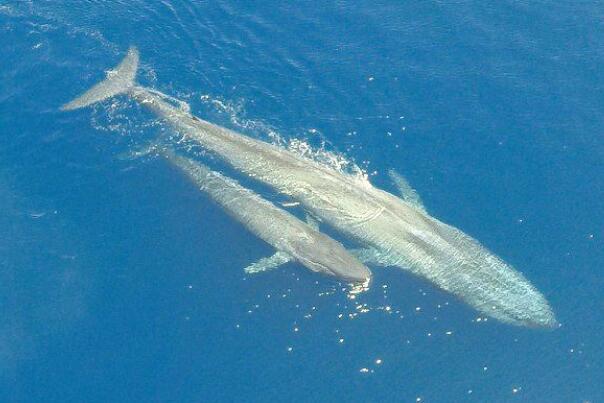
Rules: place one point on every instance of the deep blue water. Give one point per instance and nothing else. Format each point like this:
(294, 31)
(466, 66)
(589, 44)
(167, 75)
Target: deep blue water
(119, 281)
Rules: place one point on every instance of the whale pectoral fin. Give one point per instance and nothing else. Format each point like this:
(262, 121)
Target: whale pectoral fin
(268, 263)
(407, 193)
(371, 256)
(376, 257)
(312, 222)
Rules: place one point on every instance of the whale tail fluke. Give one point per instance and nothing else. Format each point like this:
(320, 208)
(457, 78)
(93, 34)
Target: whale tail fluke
(118, 81)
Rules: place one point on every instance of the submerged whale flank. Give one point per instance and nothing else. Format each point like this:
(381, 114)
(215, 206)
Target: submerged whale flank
(395, 231)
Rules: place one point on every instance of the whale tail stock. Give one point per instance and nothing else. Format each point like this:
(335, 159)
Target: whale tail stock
(118, 81)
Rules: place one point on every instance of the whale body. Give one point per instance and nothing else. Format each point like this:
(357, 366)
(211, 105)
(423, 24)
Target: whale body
(292, 238)
(394, 231)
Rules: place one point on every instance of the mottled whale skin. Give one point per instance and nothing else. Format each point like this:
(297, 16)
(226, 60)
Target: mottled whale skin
(396, 232)
(292, 238)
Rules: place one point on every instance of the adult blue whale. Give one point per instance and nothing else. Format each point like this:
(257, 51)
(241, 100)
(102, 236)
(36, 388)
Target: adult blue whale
(397, 232)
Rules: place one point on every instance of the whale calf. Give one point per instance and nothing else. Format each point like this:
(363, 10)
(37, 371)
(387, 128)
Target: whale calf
(395, 231)
(292, 238)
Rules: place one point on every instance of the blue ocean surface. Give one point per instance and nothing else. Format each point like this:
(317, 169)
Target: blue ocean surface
(121, 282)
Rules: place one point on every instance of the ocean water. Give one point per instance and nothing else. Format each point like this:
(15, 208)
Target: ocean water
(119, 281)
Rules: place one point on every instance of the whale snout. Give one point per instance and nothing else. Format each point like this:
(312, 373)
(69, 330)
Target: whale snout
(529, 310)
(541, 317)
(332, 258)
(347, 268)
(354, 271)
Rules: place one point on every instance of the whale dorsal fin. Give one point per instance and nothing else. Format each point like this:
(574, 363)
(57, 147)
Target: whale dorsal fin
(407, 193)
(268, 263)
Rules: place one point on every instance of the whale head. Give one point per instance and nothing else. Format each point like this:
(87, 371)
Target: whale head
(323, 254)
